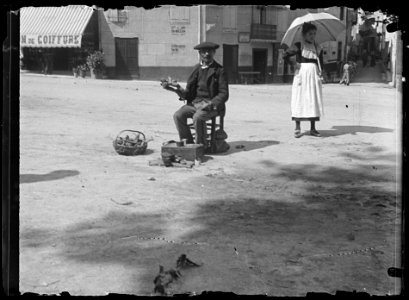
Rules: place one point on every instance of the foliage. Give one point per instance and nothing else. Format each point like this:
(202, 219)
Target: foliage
(95, 61)
(83, 67)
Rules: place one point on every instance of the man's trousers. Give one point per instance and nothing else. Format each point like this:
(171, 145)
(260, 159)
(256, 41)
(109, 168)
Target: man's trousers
(199, 117)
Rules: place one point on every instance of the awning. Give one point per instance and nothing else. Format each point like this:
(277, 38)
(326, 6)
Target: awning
(54, 27)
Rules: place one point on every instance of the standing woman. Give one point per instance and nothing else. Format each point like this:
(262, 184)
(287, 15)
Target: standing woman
(306, 99)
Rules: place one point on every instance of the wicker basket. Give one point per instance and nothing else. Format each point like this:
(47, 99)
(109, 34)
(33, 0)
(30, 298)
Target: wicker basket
(130, 142)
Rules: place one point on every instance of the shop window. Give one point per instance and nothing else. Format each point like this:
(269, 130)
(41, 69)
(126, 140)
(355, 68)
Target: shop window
(179, 15)
(229, 18)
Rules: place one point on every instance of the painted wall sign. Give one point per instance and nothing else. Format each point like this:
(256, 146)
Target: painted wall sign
(39, 40)
(244, 37)
(178, 30)
(176, 49)
(209, 26)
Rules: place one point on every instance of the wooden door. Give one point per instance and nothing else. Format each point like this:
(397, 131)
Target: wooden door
(126, 50)
(260, 63)
(231, 62)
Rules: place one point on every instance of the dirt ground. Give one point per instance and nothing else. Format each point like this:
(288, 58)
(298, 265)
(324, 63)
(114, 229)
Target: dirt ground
(280, 216)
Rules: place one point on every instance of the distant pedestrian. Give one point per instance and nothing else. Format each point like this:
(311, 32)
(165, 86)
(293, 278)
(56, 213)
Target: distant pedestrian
(47, 61)
(352, 70)
(306, 99)
(364, 58)
(345, 76)
(373, 61)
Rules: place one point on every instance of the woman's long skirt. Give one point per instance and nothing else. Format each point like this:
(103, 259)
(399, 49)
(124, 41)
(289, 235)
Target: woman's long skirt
(306, 99)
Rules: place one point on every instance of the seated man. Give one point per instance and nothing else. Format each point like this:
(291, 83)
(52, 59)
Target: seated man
(206, 93)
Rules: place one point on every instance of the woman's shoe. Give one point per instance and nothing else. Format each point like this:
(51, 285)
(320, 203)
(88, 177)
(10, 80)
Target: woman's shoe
(297, 134)
(315, 133)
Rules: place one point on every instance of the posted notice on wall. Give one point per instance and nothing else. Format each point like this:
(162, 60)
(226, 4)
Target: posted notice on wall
(50, 41)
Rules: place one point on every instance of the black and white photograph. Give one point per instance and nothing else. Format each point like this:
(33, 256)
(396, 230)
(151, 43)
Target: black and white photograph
(249, 149)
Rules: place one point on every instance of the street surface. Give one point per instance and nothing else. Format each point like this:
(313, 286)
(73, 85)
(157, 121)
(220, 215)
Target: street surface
(280, 216)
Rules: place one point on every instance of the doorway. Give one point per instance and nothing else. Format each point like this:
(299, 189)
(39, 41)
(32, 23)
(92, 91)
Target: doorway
(126, 57)
(62, 59)
(231, 62)
(260, 63)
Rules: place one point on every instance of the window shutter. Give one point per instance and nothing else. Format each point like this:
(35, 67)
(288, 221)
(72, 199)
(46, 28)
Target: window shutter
(229, 17)
(185, 14)
(179, 14)
(122, 16)
(226, 17)
(173, 13)
(113, 15)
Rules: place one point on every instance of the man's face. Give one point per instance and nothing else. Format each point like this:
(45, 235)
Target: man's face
(207, 54)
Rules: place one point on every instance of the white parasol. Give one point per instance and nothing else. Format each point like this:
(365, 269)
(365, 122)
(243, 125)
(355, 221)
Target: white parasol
(328, 28)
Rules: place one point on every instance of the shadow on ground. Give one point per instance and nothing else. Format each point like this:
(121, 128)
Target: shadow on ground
(311, 173)
(369, 74)
(113, 238)
(149, 152)
(374, 153)
(206, 158)
(256, 245)
(55, 175)
(238, 146)
(342, 130)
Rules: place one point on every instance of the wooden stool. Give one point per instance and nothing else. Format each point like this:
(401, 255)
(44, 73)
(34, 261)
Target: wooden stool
(211, 136)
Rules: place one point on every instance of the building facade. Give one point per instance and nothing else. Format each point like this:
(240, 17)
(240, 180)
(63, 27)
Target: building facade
(156, 43)
(250, 37)
(149, 44)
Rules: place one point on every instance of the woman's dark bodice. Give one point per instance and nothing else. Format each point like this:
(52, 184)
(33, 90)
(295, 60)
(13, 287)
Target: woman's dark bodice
(301, 59)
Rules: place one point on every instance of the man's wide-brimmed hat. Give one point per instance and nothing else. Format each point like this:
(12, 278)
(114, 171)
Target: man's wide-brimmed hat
(206, 45)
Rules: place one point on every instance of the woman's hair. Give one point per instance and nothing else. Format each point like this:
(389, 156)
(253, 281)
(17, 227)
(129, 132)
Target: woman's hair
(308, 27)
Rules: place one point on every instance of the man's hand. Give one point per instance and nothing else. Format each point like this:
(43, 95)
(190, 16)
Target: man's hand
(164, 83)
(204, 105)
(209, 107)
(170, 83)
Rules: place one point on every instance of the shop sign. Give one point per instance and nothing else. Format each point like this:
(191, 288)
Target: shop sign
(39, 40)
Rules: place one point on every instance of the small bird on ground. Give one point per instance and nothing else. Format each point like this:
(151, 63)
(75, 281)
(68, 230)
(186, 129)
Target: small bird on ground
(184, 262)
(164, 278)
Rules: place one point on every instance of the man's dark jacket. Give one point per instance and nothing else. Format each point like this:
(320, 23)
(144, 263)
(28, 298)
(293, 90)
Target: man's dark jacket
(217, 85)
